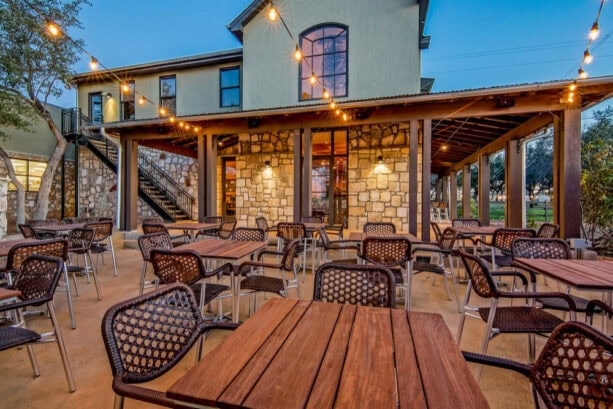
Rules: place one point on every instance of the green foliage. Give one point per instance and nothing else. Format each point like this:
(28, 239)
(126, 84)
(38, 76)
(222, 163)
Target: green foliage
(597, 174)
(497, 173)
(539, 165)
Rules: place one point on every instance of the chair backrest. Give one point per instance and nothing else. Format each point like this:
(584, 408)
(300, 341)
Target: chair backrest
(503, 238)
(80, 240)
(102, 230)
(465, 223)
(153, 220)
(291, 231)
(262, 223)
(148, 335)
(447, 239)
(211, 219)
(379, 228)
(289, 252)
(149, 228)
(344, 225)
(312, 219)
(388, 251)
(177, 266)
(148, 242)
(541, 248)
(437, 231)
(37, 277)
(574, 368)
(359, 284)
(45, 222)
(27, 231)
(324, 238)
(591, 306)
(548, 231)
(226, 230)
(480, 277)
(249, 234)
(52, 248)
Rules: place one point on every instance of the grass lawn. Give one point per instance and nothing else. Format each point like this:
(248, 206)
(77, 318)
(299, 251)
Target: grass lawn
(539, 212)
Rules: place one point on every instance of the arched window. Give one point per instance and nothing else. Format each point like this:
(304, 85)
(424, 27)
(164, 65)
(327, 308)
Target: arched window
(324, 50)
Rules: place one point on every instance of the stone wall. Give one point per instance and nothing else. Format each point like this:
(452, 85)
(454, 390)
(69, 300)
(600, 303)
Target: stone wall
(3, 206)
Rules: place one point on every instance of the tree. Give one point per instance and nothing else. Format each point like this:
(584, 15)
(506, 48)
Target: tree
(34, 65)
(597, 175)
(539, 165)
(497, 174)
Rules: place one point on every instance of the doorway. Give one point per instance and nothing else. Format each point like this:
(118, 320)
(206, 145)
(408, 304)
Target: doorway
(228, 178)
(95, 108)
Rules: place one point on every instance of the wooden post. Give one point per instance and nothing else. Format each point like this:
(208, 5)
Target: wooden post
(413, 150)
(567, 173)
(129, 193)
(445, 190)
(297, 175)
(211, 175)
(426, 149)
(453, 195)
(439, 189)
(515, 183)
(307, 165)
(484, 189)
(202, 196)
(466, 191)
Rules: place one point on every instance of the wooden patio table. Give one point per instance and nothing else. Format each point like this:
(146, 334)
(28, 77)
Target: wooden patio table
(581, 274)
(232, 250)
(469, 231)
(308, 354)
(7, 245)
(192, 228)
(59, 228)
(7, 294)
(360, 236)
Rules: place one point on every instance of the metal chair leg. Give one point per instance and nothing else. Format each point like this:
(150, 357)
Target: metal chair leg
(486, 337)
(113, 255)
(62, 347)
(88, 254)
(73, 323)
(118, 404)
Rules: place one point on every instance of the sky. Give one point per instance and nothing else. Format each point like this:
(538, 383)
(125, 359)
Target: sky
(474, 43)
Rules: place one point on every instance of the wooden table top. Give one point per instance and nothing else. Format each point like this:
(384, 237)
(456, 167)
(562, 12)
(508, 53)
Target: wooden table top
(191, 226)
(224, 249)
(476, 231)
(296, 354)
(6, 245)
(581, 274)
(57, 228)
(360, 236)
(6, 294)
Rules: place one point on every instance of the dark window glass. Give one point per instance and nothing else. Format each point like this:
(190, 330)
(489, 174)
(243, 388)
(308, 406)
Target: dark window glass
(325, 54)
(168, 94)
(229, 87)
(95, 108)
(127, 101)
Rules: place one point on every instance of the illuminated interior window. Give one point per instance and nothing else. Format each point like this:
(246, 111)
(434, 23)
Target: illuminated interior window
(29, 173)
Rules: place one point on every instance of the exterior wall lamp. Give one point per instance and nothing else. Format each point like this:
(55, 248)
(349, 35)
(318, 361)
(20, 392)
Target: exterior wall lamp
(379, 160)
(267, 164)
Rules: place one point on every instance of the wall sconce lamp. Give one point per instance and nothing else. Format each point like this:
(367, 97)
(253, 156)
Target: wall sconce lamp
(379, 160)
(267, 164)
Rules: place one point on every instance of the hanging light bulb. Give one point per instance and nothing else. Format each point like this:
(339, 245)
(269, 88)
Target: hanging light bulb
(594, 32)
(332, 104)
(93, 64)
(338, 112)
(172, 119)
(298, 54)
(181, 124)
(141, 101)
(444, 148)
(313, 78)
(582, 73)
(162, 111)
(326, 94)
(186, 126)
(53, 29)
(125, 87)
(587, 57)
(572, 87)
(272, 12)
(196, 129)
(570, 98)
(344, 117)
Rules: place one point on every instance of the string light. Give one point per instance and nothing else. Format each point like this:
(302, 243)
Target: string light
(444, 148)
(298, 54)
(172, 119)
(141, 101)
(125, 87)
(582, 73)
(326, 94)
(313, 78)
(162, 111)
(53, 29)
(332, 104)
(272, 13)
(572, 87)
(93, 64)
(587, 57)
(344, 117)
(595, 31)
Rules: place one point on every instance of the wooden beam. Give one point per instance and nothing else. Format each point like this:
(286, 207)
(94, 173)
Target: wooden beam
(453, 195)
(297, 175)
(211, 175)
(413, 150)
(167, 147)
(484, 189)
(515, 185)
(425, 179)
(307, 165)
(466, 191)
(129, 191)
(202, 196)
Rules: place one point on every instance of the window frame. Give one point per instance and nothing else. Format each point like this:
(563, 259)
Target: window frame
(124, 102)
(310, 56)
(90, 97)
(222, 89)
(28, 177)
(173, 111)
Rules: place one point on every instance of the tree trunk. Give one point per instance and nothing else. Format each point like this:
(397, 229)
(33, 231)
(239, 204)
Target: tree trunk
(21, 193)
(42, 197)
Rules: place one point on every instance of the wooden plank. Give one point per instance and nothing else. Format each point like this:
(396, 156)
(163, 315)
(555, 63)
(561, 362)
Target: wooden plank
(216, 367)
(453, 195)
(225, 249)
(410, 391)
(446, 378)
(323, 393)
(6, 293)
(368, 379)
(305, 348)
(237, 391)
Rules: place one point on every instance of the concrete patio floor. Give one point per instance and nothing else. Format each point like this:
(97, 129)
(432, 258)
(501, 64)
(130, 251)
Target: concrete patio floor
(503, 389)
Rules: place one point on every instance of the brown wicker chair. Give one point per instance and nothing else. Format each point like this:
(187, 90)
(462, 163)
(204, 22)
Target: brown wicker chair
(595, 306)
(338, 230)
(312, 219)
(103, 232)
(572, 371)
(379, 228)
(394, 253)
(28, 231)
(210, 232)
(288, 232)
(80, 243)
(437, 231)
(150, 228)
(249, 234)
(41, 223)
(337, 245)
(226, 230)
(186, 266)
(500, 246)
(445, 250)
(131, 331)
(37, 279)
(508, 319)
(146, 243)
(465, 223)
(548, 231)
(262, 223)
(359, 284)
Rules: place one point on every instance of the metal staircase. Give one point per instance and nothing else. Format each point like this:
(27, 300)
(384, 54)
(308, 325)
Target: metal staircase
(155, 186)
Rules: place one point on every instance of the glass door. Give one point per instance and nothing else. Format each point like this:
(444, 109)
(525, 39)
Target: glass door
(229, 188)
(95, 108)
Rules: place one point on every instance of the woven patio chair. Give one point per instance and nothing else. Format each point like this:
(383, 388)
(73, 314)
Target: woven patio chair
(37, 279)
(131, 330)
(379, 228)
(548, 231)
(358, 284)
(312, 219)
(548, 249)
(103, 241)
(210, 232)
(262, 223)
(249, 234)
(465, 222)
(595, 306)
(255, 281)
(572, 371)
(80, 243)
(444, 250)
(500, 246)
(336, 245)
(288, 232)
(146, 243)
(226, 230)
(506, 319)
(437, 231)
(394, 253)
(28, 232)
(338, 230)
(41, 223)
(149, 228)
(186, 266)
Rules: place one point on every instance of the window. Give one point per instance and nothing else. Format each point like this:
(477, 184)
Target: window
(95, 108)
(168, 94)
(325, 54)
(29, 173)
(127, 101)
(230, 87)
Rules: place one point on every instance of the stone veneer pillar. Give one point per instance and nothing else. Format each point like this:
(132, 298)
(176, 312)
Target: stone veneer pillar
(3, 205)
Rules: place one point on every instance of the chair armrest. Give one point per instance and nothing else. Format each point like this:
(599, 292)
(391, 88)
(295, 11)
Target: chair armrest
(593, 304)
(25, 303)
(221, 325)
(497, 362)
(243, 268)
(225, 269)
(522, 277)
(478, 240)
(430, 250)
(140, 393)
(270, 253)
(571, 303)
